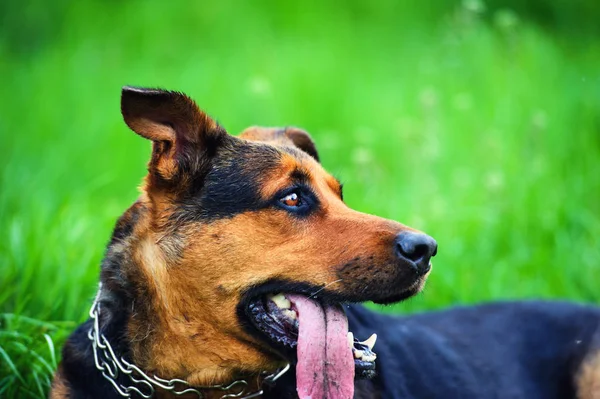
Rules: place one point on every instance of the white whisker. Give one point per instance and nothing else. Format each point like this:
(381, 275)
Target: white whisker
(323, 287)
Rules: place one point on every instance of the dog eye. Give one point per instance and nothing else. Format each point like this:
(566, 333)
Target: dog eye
(291, 200)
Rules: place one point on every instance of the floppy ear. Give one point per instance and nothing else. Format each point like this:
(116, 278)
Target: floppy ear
(298, 137)
(183, 136)
(302, 140)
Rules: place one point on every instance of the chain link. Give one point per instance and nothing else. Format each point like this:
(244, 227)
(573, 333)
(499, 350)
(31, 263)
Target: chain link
(144, 385)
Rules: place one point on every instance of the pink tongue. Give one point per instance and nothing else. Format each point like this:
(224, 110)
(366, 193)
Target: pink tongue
(325, 366)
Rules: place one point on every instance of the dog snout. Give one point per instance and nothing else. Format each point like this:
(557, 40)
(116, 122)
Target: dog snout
(416, 249)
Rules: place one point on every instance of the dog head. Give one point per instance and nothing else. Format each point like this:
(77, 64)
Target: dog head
(231, 234)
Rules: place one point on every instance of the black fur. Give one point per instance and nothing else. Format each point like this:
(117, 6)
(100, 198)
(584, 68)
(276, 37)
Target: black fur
(231, 186)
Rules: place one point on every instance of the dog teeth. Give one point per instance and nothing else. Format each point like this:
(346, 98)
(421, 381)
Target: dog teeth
(365, 355)
(281, 301)
(350, 339)
(289, 313)
(361, 355)
(369, 358)
(370, 342)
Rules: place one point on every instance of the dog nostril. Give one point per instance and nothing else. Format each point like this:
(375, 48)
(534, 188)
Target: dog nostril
(413, 252)
(417, 248)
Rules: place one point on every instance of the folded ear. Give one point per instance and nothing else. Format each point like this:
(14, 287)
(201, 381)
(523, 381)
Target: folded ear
(288, 135)
(183, 136)
(302, 140)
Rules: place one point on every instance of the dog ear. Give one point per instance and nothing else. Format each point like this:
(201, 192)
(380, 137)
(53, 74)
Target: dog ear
(302, 140)
(298, 137)
(183, 136)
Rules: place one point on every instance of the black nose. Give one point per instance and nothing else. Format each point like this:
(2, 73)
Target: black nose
(417, 249)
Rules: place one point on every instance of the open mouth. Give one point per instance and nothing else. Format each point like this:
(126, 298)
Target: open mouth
(315, 336)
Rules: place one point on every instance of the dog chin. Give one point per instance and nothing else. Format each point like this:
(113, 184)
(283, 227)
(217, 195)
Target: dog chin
(411, 291)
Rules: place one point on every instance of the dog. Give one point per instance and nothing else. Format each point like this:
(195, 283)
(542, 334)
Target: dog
(239, 272)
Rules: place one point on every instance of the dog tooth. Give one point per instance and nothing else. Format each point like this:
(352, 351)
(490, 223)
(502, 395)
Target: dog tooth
(370, 342)
(358, 354)
(351, 339)
(281, 301)
(290, 314)
(369, 358)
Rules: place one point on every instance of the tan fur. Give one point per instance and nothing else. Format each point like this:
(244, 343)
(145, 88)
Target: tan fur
(588, 378)
(154, 266)
(265, 134)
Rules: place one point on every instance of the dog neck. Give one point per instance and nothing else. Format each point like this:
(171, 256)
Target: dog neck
(127, 378)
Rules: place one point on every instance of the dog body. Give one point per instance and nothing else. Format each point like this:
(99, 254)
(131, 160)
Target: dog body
(228, 277)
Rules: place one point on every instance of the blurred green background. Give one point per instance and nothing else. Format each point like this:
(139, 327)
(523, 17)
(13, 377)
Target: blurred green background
(478, 122)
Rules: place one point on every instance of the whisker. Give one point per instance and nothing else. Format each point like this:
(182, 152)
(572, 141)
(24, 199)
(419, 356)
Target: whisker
(323, 287)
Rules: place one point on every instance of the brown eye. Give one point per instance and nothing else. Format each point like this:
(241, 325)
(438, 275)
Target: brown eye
(291, 200)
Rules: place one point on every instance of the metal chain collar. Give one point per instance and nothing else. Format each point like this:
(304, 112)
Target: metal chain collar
(144, 385)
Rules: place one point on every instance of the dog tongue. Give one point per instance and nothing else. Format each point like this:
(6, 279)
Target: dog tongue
(325, 367)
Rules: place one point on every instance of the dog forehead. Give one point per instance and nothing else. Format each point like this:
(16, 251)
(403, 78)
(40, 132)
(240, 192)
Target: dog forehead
(289, 164)
(296, 166)
(244, 177)
(258, 159)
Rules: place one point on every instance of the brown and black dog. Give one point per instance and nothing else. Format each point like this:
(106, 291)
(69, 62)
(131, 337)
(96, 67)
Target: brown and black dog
(231, 274)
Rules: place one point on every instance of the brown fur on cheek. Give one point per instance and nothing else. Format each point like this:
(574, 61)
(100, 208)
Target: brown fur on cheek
(180, 327)
(255, 247)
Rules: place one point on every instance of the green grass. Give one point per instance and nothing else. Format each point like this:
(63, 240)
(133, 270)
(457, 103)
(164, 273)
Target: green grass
(479, 127)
